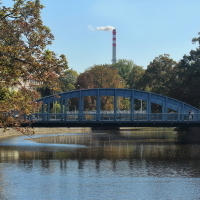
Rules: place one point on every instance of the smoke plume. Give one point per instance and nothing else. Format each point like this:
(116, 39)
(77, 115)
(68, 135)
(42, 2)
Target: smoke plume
(107, 28)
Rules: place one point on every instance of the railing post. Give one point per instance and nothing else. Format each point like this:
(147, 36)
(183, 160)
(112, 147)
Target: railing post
(182, 112)
(115, 105)
(179, 114)
(132, 106)
(62, 102)
(43, 112)
(163, 118)
(81, 106)
(48, 111)
(98, 108)
(149, 108)
(132, 111)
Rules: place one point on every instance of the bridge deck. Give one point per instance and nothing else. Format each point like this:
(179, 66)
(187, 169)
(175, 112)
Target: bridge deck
(116, 124)
(114, 120)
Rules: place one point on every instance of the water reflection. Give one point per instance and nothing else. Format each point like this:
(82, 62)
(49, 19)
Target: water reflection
(100, 165)
(138, 148)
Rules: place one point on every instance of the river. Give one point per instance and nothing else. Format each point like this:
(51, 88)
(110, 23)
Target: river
(128, 164)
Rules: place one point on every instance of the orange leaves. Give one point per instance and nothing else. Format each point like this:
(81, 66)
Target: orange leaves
(100, 76)
(22, 48)
(23, 58)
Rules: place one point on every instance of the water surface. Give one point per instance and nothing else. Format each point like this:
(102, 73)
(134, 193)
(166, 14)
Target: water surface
(126, 164)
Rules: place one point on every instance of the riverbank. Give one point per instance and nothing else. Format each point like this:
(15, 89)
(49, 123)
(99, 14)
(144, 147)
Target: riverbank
(11, 132)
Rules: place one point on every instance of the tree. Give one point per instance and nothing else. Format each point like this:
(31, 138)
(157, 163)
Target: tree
(159, 76)
(187, 82)
(24, 55)
(100, 76)
(134, 77)
(68, 81)
(44, 91)
(124, 67)
(56, 107)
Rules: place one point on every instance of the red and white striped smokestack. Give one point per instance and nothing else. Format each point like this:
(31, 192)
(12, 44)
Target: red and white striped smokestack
(114, 60)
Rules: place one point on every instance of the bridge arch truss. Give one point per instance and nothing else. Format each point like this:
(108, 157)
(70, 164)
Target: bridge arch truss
(180, 108)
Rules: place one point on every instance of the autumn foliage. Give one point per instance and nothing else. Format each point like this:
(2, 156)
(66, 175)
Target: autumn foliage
(24, 57)
(100, 76)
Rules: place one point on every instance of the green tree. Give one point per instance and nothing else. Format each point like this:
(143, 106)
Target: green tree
(68, 81)
(159, 75)
(124, 67)
(135, 76)
(186, 87)
(56, 107)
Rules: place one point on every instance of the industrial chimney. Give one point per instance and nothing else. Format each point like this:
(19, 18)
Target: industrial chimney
(114, 60)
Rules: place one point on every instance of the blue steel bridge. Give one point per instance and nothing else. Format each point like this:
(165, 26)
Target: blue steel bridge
(172, 113)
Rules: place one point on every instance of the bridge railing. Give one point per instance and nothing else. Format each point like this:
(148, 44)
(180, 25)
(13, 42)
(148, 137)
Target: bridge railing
(114, 117)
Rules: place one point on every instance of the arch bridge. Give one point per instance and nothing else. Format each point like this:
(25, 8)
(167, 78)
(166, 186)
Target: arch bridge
(114, 107)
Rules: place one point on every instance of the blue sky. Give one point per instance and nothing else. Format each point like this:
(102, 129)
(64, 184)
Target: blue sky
(145, 29)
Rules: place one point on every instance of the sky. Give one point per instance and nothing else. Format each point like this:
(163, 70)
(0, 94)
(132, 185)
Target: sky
(145, 29)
